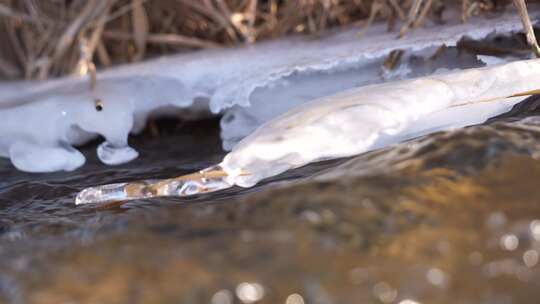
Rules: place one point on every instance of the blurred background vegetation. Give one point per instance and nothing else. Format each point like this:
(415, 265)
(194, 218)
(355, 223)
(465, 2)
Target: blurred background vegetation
(50, 38)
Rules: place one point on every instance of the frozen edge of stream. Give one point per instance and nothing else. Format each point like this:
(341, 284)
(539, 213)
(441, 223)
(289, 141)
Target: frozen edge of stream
(40, 123)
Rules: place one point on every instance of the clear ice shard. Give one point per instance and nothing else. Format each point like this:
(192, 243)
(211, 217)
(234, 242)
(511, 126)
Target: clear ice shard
(207, 180)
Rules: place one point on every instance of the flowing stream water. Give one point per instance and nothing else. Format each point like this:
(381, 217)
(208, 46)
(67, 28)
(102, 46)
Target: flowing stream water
(453, 217)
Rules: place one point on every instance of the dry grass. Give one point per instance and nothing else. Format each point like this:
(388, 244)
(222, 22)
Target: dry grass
(49, 38)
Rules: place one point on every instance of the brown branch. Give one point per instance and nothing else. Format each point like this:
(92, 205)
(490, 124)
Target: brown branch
(168, 39)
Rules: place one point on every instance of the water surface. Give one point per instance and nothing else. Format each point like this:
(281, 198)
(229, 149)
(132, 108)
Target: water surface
(453, 217)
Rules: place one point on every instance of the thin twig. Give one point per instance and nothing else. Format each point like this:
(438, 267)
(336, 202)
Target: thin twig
(526, 20)
(169, 39)
(122, 11)
(10, 13)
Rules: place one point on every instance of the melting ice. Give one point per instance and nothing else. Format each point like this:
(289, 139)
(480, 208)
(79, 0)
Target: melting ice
(373, 116)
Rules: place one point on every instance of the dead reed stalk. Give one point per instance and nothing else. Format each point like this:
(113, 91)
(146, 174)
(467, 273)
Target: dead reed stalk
(50, 38)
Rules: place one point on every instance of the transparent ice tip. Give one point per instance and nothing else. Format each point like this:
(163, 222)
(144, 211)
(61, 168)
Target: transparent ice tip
(207, 180)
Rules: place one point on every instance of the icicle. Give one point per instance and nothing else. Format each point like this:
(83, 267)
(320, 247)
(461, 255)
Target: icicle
(207, 180)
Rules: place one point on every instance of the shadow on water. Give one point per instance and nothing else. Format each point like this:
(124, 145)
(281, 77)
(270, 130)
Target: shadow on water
(448, 218)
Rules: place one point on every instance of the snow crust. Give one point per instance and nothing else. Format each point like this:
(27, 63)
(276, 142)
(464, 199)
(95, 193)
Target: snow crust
(41, 122)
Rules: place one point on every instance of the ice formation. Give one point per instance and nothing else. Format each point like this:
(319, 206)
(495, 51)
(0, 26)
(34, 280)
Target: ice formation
(38, 134)
(207, 180)
(346, 124)
(361, 119)
(41, 122)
